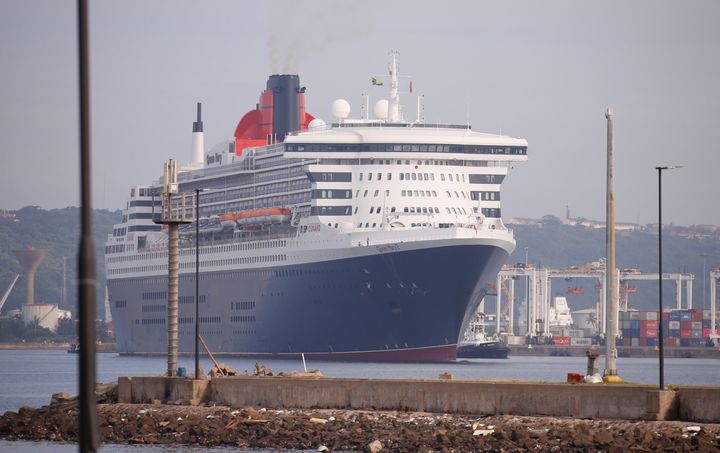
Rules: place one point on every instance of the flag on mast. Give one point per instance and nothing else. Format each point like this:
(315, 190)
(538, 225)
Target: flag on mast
(376, 81)
(411, 87)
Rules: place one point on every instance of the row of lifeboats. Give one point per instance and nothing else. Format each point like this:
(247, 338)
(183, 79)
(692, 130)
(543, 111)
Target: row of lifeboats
(232, 220)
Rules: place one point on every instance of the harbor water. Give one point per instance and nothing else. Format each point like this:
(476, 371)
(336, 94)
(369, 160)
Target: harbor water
(30, 377)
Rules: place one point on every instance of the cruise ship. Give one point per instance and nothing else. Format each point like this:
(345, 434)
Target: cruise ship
(358, 239)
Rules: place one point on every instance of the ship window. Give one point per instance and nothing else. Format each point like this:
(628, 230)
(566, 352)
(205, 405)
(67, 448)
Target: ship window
(415, 193)
(405, 209)
(456, 194)
(402, 176)
(356, 209)
(377, 192)
(357, 193)
(365, 194)
(369, 176)
(374, 224)
(426, 177)
(463, 194)
(379, 177)
(392, 209)
(397, 148)
(427, 193)
(434, 194)
(402, 194)
(463, 178)
(412, 209)
(448, 210)
(371, 209)
(367, 225)
(336, 225)
(450, 178)
(361, 176)
(424, 210)
(437, 211)
(414, 177)
(432, 177)
(360, 225)
(422, 193)
(442, 177)
(389, 176)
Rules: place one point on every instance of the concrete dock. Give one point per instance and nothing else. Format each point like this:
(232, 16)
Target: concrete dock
(595, 401)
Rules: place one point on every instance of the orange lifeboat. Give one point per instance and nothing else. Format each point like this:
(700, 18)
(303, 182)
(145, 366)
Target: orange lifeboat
(228, 220)
(264, 215)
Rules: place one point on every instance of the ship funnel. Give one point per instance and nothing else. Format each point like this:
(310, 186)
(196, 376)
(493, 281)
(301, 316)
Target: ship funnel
(30, 259)
(285, 89)
(198, 139)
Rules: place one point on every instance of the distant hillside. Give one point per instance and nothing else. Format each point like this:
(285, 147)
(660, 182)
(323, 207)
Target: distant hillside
(557, 245)
(551, 244)
(58, 232)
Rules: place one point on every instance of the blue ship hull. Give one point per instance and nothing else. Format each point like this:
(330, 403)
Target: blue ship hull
(403, 305)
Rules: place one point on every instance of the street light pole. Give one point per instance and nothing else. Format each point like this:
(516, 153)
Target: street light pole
(660, 297)
(197, 282)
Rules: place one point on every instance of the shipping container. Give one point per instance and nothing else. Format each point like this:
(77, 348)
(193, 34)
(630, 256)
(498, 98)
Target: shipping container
(642, 341)
(580, 342)
(706, 332)
(674, 316)
(628, 341)
(685, 342)
(674, 325)
(674, 333)
(685, 325)
(634, 342)
(707, 323)
(665, 316)
(648, 333)
(670, 342)
(648, 325)
(573, 333)
(697, 316)
(635, 324)
(634, 315)
(652, 341)
(685, 316)
(515, 339)
(650, 316)
(561, 340)
(696, 325)
(697, 333)
(625, 324)
(685, 334)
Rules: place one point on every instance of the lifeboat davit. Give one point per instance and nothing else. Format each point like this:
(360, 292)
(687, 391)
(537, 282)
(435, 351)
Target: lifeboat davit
(264, 215)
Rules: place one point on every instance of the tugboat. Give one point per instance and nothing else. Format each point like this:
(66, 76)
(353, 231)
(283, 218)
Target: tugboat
(477, 345)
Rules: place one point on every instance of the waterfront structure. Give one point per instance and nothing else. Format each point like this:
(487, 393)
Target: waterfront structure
(362, 239)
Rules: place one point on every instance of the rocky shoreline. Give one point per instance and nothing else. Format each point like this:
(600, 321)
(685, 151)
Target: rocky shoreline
(338, 430)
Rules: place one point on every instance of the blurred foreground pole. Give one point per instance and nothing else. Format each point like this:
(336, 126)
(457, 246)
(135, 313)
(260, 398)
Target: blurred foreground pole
(88, 429)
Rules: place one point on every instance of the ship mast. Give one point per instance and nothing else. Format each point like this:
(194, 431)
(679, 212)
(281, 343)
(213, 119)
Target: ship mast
(394, 108)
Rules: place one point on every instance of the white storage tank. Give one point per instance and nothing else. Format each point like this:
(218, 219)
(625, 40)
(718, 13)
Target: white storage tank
(46, 315)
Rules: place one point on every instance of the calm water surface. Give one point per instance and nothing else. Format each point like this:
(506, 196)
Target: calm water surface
(31, 377)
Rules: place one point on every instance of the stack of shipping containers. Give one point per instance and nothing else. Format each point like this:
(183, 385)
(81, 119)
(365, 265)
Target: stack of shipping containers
(680, 327)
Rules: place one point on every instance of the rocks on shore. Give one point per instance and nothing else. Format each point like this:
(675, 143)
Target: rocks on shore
(330, 430)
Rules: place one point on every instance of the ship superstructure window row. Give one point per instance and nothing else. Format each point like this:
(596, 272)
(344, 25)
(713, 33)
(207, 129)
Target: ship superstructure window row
(380, 147)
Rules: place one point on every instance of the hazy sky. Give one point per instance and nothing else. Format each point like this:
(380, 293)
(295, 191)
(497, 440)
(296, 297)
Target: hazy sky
(544, 71)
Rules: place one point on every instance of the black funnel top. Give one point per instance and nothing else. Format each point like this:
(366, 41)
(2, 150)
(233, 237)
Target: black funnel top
(197, 125)
(286, 104)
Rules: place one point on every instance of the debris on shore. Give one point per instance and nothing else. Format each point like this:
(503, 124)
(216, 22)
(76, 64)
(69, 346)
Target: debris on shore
(331, 430)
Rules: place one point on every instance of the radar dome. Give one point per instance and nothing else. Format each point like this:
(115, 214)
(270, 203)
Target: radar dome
(317, 123)
(381, 109)
(340, 109)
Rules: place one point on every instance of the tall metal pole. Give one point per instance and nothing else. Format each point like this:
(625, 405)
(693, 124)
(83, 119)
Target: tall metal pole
(660, 296)
(661, 355)
(197, 283)
(89, 438)
(610, 280)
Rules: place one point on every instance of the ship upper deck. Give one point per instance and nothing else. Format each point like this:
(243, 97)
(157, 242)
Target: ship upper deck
(413, 140)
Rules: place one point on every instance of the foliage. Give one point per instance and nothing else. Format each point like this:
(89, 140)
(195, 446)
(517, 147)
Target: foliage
(58, 232)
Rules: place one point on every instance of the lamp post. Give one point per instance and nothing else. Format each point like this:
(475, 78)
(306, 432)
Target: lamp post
(197, 281)
(660, 297)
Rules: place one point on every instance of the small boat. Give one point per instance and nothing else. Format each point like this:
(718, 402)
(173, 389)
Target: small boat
(477, 345)
(74, 349)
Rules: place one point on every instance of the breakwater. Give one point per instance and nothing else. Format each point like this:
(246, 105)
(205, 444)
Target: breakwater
(617, 401)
